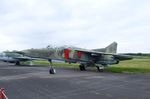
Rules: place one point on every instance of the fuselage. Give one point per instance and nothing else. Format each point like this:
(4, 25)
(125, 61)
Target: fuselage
(76, 56)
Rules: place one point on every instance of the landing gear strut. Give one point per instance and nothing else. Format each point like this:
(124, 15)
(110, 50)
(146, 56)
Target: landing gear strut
(82, 67)
(100, 68)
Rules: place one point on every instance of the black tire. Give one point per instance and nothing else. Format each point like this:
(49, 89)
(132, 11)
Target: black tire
(17, 63)
(52, 71)
(117, 62)
(82, 67)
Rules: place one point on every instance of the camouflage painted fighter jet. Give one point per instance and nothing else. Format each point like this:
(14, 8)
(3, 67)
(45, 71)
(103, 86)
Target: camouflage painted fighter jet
(99, 58)
(14, 57)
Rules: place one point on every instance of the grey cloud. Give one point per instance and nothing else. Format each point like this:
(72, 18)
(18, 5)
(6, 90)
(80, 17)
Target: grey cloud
(83, 23)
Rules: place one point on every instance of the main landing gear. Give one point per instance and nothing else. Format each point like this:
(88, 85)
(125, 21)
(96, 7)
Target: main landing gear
(82, 67)
(17, 63)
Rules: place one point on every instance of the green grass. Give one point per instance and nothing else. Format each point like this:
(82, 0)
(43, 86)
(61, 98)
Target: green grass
(131, 66)
(135, 65)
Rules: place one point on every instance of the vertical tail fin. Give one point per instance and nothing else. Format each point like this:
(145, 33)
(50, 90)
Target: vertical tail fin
(112, 48)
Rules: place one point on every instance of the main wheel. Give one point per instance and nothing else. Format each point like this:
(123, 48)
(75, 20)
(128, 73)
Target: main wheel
(82, 67)
(17, 63)
(52, 71)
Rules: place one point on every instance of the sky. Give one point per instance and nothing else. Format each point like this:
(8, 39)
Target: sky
(90, 24)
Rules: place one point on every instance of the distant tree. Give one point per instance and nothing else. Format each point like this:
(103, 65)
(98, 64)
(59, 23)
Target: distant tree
(139, 54)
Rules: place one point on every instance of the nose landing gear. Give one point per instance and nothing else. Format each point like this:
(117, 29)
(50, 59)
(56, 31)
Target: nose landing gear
(52, 71)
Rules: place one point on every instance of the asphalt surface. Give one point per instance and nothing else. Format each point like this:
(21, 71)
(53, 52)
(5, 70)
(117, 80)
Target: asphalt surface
(35, 82)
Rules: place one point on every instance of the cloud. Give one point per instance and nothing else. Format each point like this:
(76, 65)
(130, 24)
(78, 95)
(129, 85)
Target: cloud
(83, 23)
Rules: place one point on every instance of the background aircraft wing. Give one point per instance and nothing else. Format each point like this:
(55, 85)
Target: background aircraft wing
(25, 58)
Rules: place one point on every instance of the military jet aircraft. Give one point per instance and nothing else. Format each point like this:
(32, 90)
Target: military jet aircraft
(99, 58)
(14, 57)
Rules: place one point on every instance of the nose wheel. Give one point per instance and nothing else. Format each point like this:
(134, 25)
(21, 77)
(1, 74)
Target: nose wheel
(52, 71)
